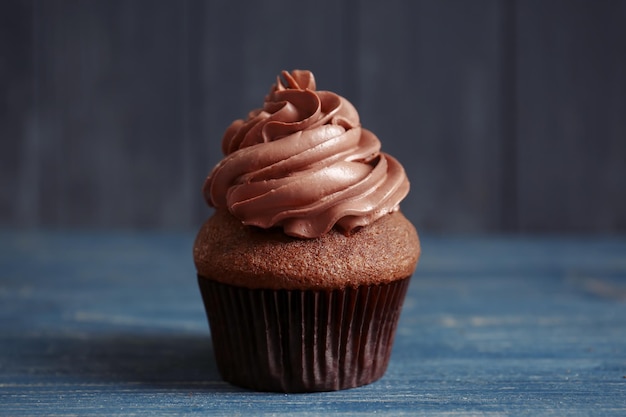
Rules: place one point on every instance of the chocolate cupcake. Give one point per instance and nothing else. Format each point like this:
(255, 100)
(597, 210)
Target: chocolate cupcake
(304, 265)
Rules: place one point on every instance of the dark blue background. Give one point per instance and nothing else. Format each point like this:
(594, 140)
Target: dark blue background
(509, 116)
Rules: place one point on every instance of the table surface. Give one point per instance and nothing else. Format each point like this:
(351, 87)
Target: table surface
(113, 324)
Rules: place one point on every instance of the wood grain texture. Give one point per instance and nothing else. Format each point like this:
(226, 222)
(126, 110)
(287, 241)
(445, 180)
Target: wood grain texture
(18, 134)
(113, 324)
(109, 97)
(572, 101)
(507, 115)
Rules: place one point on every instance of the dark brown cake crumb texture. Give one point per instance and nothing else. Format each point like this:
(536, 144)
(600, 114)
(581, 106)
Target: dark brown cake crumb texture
(227, 251)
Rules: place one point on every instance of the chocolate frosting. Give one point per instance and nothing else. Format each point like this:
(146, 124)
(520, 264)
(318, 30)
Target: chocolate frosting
(304, 163)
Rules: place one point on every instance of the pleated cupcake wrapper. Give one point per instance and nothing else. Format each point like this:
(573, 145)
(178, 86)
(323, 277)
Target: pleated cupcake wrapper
(302, 341)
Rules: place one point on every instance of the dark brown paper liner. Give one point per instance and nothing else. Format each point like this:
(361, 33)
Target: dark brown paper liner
(302, 341)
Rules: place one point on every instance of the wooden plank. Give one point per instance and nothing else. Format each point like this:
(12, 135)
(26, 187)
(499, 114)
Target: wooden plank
(113, 324)
(111, 97)
(572, 101)
(19, 140)
(430, 89)
(507, 115)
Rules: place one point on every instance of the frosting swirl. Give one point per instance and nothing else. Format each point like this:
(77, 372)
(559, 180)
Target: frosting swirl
(304, 163)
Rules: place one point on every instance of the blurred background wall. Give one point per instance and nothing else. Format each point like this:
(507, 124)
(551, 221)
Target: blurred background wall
(509, 116)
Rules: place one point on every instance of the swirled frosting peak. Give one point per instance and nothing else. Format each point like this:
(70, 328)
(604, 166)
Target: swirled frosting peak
(304, 163)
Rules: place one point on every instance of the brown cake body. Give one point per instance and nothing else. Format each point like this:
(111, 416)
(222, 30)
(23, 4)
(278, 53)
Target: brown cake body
(229, 252)
(303, 315)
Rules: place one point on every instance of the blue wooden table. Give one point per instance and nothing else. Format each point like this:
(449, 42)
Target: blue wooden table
(113, 324)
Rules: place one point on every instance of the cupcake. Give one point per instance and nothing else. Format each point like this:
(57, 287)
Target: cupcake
(305, 262)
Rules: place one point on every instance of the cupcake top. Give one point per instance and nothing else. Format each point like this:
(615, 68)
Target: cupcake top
(303, 163)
